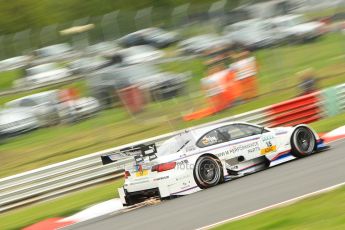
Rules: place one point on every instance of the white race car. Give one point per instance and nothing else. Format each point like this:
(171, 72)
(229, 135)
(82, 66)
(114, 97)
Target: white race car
(201, 158)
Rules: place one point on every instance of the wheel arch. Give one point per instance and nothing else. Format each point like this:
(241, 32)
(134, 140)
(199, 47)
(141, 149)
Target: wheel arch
(213, 156)
(222, 165)
(316, 135)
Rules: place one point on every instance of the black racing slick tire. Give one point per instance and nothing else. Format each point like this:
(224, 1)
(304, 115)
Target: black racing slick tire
(133, 199)
(208, 172)
(303, 142)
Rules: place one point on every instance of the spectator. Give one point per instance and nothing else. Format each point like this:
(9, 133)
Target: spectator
(307, 83)
(245, 67)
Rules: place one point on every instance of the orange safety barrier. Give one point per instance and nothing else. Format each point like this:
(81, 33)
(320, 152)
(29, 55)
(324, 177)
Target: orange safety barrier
(216, 103)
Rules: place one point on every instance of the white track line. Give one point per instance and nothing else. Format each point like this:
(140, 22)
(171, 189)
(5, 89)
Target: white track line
(284, 203)
(280, 204)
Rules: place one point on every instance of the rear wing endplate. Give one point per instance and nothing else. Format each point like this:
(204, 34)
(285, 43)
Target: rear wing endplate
(138, 152)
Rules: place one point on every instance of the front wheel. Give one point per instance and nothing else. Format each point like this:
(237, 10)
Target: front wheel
(302, 142)
(208, 172)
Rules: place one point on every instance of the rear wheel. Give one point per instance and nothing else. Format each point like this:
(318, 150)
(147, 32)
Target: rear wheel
(208, 172)
(302, 142)
(130, 200)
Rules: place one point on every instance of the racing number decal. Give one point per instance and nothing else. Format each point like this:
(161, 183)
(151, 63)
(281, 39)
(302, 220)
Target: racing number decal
(269, 148)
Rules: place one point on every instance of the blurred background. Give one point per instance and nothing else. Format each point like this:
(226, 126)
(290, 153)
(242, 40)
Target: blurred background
(82, 76)
(77, 77)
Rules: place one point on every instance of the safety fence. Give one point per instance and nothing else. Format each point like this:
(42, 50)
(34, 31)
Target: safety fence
(63, 177)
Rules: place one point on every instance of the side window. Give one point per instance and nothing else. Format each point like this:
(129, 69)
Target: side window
(249, 129)
(233, 132)
(227, 133)
(237, 131)
(211, 138)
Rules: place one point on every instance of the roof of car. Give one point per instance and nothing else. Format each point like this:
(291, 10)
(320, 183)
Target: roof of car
(199, 132)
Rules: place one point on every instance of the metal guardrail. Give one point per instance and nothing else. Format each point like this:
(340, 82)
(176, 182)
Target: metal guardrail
(57, 179)
(16, 90)
(63, 177)
(340, 89)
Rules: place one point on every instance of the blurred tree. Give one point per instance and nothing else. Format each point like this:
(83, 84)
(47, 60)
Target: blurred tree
(19, 15)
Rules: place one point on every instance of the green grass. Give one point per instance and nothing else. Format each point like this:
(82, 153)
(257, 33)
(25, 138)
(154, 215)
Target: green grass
(72, 203)
(327, 12)
(60, 207)
(325, 211)
(329, 124)
(7, 78)
(278, 67)
(80, 85)
(115, 126)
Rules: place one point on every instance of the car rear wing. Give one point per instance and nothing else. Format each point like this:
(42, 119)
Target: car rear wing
(138, 152)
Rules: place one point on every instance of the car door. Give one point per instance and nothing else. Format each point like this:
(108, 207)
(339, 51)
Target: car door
(237, 142)
(244, 141)
(268, 143)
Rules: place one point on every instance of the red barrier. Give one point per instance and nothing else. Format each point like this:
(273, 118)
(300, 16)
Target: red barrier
(132, 98)
(304, 109)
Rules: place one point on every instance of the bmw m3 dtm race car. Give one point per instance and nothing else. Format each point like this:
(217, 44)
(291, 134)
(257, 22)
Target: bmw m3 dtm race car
(201, 158)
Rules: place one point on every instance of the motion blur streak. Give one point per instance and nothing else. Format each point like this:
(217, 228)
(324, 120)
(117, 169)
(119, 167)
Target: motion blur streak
(235, 198)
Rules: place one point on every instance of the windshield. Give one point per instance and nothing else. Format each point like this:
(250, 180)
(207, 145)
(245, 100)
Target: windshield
(296, 21)
(291, 22)
(137, 50)
(133, 73)
(155, 32)
(174, 145)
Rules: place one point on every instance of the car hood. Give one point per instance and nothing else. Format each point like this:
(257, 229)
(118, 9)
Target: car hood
(51, 73)
(13, 115)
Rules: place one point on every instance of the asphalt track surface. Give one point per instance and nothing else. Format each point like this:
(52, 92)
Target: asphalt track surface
(234, 198)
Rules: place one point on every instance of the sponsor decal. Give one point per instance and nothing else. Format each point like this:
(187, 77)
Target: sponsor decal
(184, 165)
(250, 147)
(185, 186)
(139, 182)
(182, 162)
(182, 177)
(267, 138)
(255, 149)
(140, 171)
(268, 149)
(161, 178)
(190, 148)
(208, 140)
